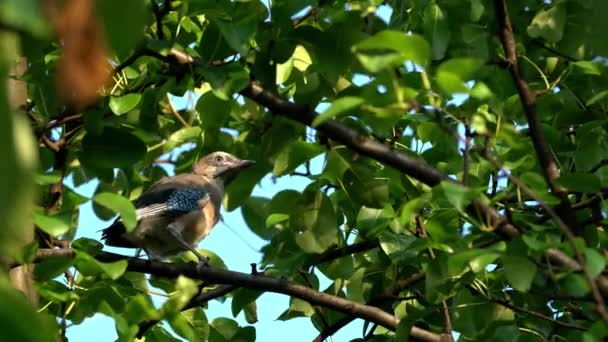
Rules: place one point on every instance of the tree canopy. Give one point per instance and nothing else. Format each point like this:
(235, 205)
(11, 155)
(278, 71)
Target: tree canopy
(464, 151)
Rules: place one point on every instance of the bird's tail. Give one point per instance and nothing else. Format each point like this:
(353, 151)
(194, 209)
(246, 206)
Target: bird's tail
(114, 235)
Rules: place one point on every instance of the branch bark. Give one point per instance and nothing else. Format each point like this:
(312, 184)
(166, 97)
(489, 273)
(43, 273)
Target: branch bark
(544, 154)
(255, 282)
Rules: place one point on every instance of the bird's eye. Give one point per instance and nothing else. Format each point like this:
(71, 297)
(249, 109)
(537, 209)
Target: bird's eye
(219, 159)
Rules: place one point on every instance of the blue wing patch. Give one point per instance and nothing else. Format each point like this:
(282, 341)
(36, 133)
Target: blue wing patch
(178, 203)
(185, 200)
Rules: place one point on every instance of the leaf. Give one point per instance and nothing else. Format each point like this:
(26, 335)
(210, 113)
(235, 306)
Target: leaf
(281, 206)
(588, 67)
(580, 182)
(370, 192)
(595, 261)
(372, 222)
(88, 265)
(520, 272)
(473, 316)
(185, 289)
(340, 106)
(213, 111)
(123, 23)
(123, 104)
(113, 148)
(244, 300)
(436, 30)
(453, 73)
(181, 136)
(597, 97)
(294, 155)
(297, 308)
(372, 54)
(53, 225)
(119, 205)
(397, 247)
(549, 24)
(255, 211)
(460, 197)
(20, 320)
(314, 222)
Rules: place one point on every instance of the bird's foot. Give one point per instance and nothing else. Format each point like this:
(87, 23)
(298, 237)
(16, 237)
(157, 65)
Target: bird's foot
(202, 263)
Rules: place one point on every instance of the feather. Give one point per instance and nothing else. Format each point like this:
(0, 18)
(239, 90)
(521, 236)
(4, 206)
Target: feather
(170, 203)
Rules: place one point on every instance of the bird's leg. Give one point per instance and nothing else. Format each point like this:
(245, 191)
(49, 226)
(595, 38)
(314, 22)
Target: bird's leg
(178, 237)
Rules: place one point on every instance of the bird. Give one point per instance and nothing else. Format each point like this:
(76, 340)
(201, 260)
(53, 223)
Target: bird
(178, 212)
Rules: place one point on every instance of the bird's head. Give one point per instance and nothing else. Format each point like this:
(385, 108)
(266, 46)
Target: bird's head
(220, 165)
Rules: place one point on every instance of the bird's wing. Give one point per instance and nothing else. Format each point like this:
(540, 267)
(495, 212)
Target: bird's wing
(170, 197)
(172, 202)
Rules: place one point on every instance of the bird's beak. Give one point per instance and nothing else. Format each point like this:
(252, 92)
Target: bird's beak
(243, 164)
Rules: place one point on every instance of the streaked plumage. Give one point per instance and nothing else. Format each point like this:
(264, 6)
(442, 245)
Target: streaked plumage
(176, 213)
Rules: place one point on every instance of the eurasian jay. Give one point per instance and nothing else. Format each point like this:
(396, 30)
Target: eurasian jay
(176, 213)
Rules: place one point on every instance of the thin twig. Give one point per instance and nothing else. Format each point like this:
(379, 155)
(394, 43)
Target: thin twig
(580, 259)
(465, 156)
(446, 310)
(514, 307)
(177, 115)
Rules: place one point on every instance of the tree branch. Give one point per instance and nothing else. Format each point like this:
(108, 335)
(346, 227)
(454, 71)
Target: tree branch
(338, 252)
(388, 293)
(528, 100)
(255, 282)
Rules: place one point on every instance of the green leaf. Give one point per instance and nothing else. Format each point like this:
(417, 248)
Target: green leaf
(123, 23)
(453, 73)
(294, 155)
(119, 205)
(113, 148)
(436, 30)
(197, 319)
(588, 67)
(244, 300)
(88, 265)
(182, 136)
(53, 225)
(50, 268)
(281, 206)
(549, 24)
(370, 192)
(459, 196)
(314, 222)
(397, 247)
(597, 97)
(580, 182)
(405, 47)
(20, 320)
(185, 289)
(255, 211)
(297, 308)
(520, 272)
(575, 285)
(26, 15)
(595, 261)
(474, 317)
(123, 104)
(140, 308)
(214, 112)
(372, 222)
(340, 106)
(223, 329)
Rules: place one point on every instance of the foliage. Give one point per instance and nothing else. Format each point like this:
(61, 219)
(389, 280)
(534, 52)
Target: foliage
(433, 82)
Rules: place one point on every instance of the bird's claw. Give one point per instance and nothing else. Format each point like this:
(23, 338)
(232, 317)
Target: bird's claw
(202, 263)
